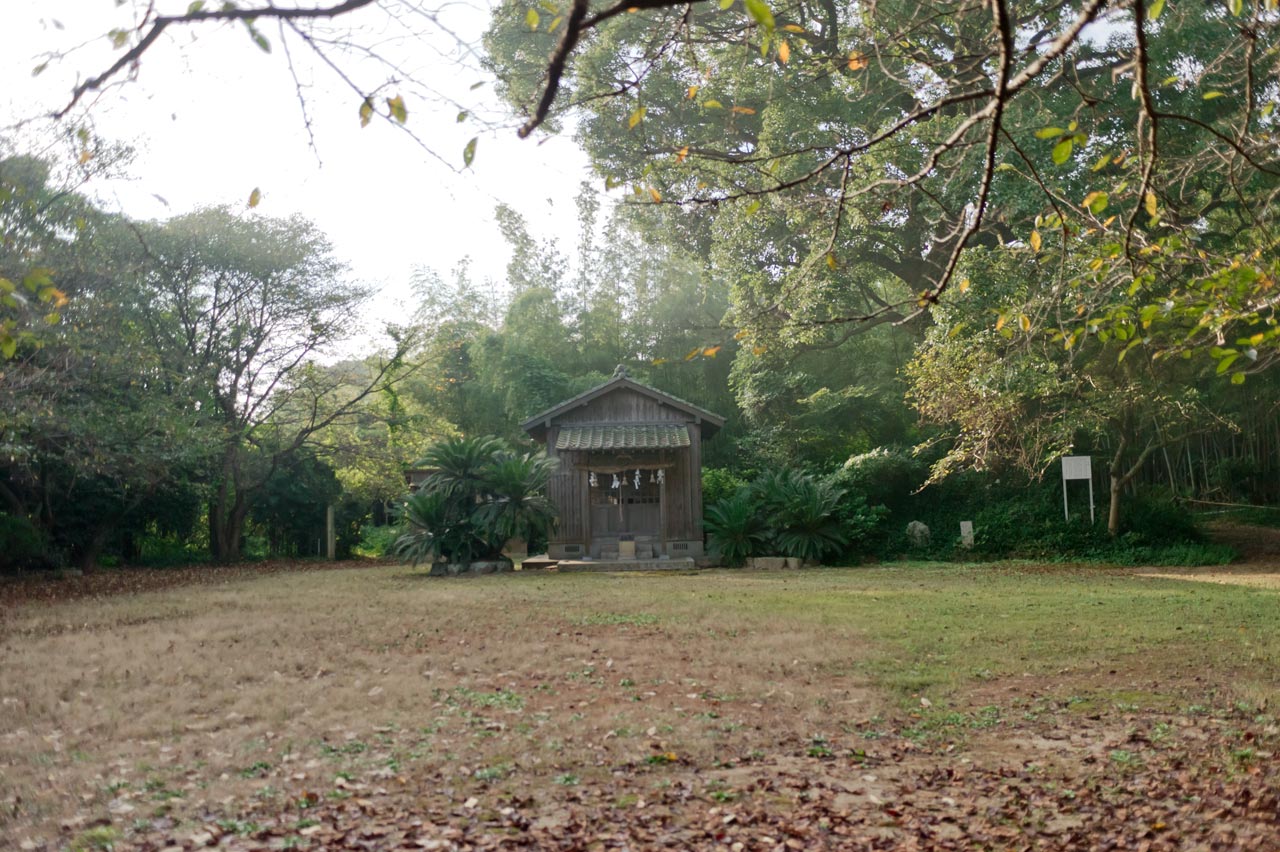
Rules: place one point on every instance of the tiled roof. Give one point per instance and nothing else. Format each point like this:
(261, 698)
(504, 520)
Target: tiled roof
(649, 436)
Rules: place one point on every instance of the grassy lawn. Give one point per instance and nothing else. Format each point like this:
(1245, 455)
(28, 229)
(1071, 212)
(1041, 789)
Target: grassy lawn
(988, 705)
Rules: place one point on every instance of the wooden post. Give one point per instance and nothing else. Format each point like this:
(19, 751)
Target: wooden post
(586, 513)
(662, 516)
(330, 537)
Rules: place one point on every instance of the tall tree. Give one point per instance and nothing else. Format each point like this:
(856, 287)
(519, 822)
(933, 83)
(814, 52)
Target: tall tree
(240, 308)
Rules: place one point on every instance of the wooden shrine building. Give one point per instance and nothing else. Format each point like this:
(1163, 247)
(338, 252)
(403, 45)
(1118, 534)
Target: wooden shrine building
(630, 477)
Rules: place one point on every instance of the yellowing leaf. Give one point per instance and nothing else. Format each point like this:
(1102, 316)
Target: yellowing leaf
(741, 110)
(555, 22)
(682, 154)
(366, 112)
(1095, 202)
(1154, 10)
(712, 351)
(397, 108)
(1049, 132)
(1035, 241)
(658, 362)
(741, 334)
(1000, 320)
(1062, 152)
(760, 13)
(857, 61)
(1208, 96)
(255, 197)
(831, 261)
(964, 286)
(784, 52)
(1149, 202)
(693, 92)
(655, 195)
(635, 118)
(469, 152)
(1024, 322)
(712, 104)
(793, 28)
(757, 350)
(693, 353)
(1236, 7)
(532, 18)
(725, 4)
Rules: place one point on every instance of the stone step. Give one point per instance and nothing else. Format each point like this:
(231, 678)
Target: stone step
(685, 564)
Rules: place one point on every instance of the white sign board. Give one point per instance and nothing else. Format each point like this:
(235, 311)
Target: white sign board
(1077, 467)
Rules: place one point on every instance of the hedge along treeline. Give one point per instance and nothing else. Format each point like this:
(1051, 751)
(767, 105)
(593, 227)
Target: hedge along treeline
(873, 497)
(789, 513)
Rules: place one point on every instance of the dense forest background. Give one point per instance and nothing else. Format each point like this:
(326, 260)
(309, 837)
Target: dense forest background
(187, 404)
(185, 389)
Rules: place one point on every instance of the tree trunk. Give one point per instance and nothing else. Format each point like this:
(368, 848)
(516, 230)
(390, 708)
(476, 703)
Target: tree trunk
(86, 557)
(1118, 480)
(1113, 513)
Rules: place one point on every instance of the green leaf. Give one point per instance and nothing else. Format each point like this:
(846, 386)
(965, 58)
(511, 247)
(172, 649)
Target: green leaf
(119, 38)
(760, 13)
(1154, 10)
(1096, 202)
(1237, 379)
(1236, 7)
(469, 152)
(1268, 109)
(532, 18)
(725, 4)
(1062, 151)
(1049, 132)
(6, 285)
(462, 116)
(1208, 96)
(397, 109)
(753, 207)
(635, 118)
(196, 6)
(1102, 162)
(366, 112)
(8, 346)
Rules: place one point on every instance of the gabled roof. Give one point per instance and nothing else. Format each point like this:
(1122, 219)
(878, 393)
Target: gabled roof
(623, 436)
(621, 381)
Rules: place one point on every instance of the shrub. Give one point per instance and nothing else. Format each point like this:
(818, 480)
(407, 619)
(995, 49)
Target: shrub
(802, 514)
(478, 495)
(719, 483)
(20, 542)
(735, 528)
(376, 542)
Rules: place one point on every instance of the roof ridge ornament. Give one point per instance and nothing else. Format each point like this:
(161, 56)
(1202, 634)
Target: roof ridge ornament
(620, 372)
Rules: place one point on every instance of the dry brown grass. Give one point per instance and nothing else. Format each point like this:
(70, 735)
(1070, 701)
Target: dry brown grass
(155, 715)
(186, 690)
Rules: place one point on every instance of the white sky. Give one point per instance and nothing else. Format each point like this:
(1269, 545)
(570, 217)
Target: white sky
(212, 117)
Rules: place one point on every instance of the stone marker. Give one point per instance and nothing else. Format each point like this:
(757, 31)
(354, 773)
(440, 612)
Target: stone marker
(966, 533)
